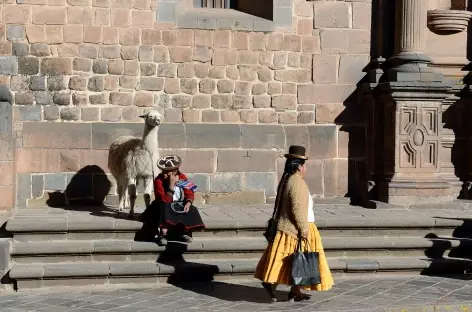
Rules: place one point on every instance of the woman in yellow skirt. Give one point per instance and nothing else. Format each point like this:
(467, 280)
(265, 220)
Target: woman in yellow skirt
(295, 218)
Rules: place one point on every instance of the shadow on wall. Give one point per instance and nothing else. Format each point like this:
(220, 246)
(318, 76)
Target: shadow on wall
(89, 186)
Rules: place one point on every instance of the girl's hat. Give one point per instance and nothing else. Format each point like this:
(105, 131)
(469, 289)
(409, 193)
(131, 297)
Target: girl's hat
(168, 163)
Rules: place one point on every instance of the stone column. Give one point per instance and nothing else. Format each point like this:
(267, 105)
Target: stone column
(410, 62)
(412, 116)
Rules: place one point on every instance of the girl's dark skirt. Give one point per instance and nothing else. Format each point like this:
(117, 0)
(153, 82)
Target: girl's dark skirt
(162, 215)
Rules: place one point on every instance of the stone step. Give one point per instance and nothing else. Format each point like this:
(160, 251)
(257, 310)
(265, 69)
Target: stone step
(202, 248)
(75, 274)
(26, 228)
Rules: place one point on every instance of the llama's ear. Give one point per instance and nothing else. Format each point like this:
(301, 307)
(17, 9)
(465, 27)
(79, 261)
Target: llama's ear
(142, 116)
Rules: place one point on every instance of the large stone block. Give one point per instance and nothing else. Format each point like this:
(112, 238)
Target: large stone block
(238, 198)
(330, 14)
(56, 66)
(262, 137)
(195, 161)
(6, 197)
(6, 173)
(212, 136)
(201, 180)
(55, 181)
(257, 181)
(28, 113)
(226, 182)
(5, 261)
(351, 68)
(324, 94)
(66, 135)
(103, 134)
(325, 68)
(323, 141)
(23, 189)
(246, 161)
(171, 136)
(296, 135)
(336, 177)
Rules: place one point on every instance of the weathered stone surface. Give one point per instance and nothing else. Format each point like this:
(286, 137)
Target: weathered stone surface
(322, 141)
(44, 98)
(28, 65)
(323, 94)
(56, 83)
(152, 83)
(332, 15)
(66, 135)
(38, 83)
(61, 98)
(56, 66)
(212, 136)
(262, 136)
(246, 161)
(226, 182)
(256, 181)
(103, 134)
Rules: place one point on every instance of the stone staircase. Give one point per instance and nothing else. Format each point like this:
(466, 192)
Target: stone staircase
(55, 247)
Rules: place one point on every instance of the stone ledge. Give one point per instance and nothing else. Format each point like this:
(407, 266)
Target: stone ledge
(218, 267)
(21, 225)
(223, 19)
(229, 244)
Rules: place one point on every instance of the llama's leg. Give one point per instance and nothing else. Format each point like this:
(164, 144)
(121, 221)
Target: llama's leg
(147, 191)
(124, 194)
(119, 189)
(132, 195)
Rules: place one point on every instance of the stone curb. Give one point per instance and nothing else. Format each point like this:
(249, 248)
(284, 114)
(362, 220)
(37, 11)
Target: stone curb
(24, 225)
(233, 266)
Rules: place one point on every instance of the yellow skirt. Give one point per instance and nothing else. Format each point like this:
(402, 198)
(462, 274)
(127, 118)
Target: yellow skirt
(275, 265)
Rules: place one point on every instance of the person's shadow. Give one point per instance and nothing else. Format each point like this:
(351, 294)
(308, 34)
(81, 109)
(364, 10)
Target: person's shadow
(198, 277)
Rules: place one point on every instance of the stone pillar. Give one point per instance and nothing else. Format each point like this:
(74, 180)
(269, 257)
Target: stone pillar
(410, 62)
(412, 116)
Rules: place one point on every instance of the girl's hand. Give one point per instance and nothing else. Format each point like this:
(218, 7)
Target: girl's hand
(173, 179)
(187, 207)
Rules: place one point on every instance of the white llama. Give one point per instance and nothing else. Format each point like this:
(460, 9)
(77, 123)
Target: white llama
(133, 159)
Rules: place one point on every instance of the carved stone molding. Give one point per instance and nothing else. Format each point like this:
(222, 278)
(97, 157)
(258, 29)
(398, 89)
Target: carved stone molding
(448, 21)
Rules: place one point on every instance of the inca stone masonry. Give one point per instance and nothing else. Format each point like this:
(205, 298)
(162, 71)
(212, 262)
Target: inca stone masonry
(373, 88)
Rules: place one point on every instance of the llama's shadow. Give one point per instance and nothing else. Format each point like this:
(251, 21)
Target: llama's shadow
(87, 190)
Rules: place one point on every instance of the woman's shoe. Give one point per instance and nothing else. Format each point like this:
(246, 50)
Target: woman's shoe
(297, 297)
(270, 288)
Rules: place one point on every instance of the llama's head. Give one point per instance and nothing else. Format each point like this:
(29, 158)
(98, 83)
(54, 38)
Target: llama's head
(152, 118)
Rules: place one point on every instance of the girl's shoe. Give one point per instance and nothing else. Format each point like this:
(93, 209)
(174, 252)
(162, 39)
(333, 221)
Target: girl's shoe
(161, 240)
(187, 238)
(297, 297)
(270, 288)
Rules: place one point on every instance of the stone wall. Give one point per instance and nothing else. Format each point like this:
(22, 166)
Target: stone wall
(229, 163)
(78, 63)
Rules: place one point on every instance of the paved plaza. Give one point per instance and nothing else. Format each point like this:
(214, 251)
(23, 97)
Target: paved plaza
(422, 293)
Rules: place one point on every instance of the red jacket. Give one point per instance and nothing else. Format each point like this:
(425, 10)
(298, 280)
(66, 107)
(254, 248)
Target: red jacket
(161, 187)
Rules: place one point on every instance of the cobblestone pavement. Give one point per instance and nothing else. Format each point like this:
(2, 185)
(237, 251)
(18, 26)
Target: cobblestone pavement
(404, 294)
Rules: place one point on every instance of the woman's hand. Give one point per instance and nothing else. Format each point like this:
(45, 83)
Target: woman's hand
(304, 234)
(187, 207)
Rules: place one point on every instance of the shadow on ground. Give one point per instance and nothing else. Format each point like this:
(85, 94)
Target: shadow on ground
(451, 255)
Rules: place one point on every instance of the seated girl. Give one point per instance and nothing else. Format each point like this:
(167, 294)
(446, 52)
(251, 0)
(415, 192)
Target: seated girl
(174, 196)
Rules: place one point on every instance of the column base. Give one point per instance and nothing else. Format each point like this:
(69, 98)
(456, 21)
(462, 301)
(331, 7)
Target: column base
(412, 66)
(409, 192)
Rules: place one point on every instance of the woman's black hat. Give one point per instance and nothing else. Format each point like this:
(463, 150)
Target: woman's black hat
(296, 151)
